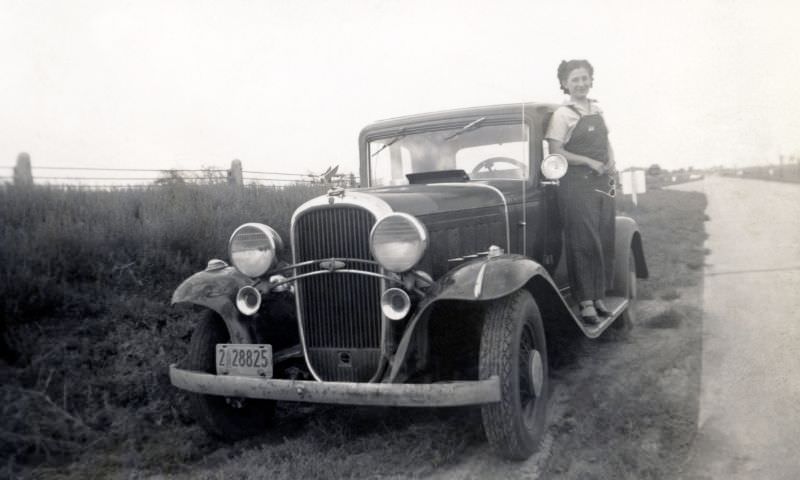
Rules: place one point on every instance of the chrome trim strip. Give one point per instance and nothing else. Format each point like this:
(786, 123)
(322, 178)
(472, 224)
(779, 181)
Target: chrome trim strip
(479, 280)
(502, 197)
(446, 394)
(413, 273)
(317, 261)
(470, 256)
(376, 207)
(329, 272)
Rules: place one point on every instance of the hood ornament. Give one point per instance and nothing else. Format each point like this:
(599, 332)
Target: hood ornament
(335, 192)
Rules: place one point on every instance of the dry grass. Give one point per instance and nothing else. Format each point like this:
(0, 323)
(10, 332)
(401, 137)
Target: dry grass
(63, 248)
(672, 226)
(86, 278)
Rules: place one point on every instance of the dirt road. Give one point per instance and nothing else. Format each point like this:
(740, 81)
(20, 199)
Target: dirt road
(749, 419)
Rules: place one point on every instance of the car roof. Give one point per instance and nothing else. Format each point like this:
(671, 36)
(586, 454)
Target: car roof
(530, 108)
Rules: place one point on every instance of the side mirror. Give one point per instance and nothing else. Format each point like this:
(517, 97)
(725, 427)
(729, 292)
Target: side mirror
(554, 166)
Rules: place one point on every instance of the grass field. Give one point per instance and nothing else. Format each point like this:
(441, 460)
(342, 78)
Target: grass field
(88, 396)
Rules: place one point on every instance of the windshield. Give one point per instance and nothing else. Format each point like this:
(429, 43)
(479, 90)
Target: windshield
(482, 151)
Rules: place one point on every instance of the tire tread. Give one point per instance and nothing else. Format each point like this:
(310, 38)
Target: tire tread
(497, 357)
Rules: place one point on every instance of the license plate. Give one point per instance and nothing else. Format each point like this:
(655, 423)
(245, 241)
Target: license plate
(244, 360)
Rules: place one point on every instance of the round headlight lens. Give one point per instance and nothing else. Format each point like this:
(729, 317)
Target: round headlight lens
(554, 166)
(253, 248)
(398, 242)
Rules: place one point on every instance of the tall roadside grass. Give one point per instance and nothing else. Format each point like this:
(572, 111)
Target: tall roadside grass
(85, 281)
(64, 250)
(671, 223)
(85, 322)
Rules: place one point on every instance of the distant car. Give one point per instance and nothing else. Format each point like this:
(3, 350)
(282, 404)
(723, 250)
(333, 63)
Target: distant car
(437, 283)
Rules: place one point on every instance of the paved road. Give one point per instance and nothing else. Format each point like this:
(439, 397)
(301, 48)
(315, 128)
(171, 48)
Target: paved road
(749, 421)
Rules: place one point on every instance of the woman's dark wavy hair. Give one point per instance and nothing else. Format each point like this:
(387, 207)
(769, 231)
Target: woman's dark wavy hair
(567, 66)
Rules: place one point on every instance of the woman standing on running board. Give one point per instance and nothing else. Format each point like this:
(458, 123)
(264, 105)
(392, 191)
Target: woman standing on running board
(586, 193)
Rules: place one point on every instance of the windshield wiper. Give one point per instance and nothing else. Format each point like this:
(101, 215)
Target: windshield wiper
(470, 126)
(389, 143)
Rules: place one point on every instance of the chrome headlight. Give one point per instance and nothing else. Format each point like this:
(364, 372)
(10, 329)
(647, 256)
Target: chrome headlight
(554, 166)
(398, 241)
(254, 248)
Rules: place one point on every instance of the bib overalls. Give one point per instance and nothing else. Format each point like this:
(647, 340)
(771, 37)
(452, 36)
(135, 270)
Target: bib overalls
(588, 212)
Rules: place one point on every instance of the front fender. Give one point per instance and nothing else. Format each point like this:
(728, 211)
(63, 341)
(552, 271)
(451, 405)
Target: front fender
(484, 280)
(487, 278)
(216, 289)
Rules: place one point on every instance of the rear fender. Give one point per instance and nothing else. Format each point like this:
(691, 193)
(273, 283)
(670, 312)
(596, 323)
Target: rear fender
(216, 289)
(485, 280)
(628, 240)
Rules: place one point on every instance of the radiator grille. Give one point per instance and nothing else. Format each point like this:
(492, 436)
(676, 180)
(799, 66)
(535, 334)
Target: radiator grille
(340, 312)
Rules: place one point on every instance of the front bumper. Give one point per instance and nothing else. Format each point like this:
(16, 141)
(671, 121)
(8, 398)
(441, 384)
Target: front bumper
(449, 394)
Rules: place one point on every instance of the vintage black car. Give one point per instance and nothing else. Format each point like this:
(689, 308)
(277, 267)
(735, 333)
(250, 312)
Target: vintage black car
(439, 282)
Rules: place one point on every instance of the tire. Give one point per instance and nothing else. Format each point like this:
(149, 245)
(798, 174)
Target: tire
(227, 418)
(626, 320)
(513, 326)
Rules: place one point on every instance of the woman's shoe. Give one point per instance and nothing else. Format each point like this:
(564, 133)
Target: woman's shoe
(589, 314)
(601, 308)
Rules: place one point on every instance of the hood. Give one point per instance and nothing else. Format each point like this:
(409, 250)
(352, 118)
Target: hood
(420, 200)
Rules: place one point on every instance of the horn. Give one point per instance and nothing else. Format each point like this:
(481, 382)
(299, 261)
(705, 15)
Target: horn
(248, 300)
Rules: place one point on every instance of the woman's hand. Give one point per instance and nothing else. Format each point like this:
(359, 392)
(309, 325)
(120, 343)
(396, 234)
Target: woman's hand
(598, 167)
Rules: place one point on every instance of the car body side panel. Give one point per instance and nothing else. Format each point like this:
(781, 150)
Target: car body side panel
(459, 234)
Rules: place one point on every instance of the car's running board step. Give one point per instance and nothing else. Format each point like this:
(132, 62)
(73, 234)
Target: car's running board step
(617, 305)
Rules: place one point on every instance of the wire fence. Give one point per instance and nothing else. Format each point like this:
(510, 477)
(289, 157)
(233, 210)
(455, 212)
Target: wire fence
(113, 177)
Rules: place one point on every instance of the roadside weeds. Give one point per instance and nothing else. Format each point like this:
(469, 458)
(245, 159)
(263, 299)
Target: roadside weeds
(622, 408)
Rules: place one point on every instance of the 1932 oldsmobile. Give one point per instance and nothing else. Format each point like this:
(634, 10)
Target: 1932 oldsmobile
(440, 282)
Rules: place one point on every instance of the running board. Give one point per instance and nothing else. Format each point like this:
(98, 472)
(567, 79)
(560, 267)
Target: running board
(617, 305)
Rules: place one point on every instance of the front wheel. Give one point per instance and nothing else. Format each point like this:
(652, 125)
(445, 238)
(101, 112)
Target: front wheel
(513, 349)
(225, 417)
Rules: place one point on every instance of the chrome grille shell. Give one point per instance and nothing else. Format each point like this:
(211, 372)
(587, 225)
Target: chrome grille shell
(339, 314)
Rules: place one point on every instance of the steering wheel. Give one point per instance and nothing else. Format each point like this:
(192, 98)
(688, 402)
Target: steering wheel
(489, 163)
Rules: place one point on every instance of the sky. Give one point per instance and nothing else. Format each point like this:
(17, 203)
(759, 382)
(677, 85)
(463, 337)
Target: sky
(287, 86)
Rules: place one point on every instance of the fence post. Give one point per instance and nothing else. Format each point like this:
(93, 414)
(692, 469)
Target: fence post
(23, 177)
(235, 174)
